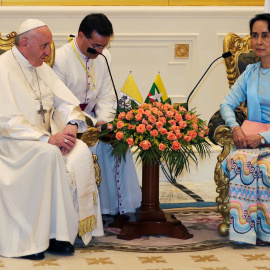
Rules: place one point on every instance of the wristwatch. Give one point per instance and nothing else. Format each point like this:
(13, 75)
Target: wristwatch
(263, 141)
(73, 123)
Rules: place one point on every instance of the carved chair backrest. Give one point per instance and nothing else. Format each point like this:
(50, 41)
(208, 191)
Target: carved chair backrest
(7, 42)
(242, 55)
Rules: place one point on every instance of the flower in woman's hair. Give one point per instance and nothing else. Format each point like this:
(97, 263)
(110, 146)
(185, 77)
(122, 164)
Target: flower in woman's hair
(163, 131)
(178, 117)
(187, 116)
(161, 147)
(182, 109)
(154, 133)
(147, 113)
(159, 125)
(144, 121)
(192, 134)
(149, 127)
(152, 119)
(110, 126)
(120, 124)
(122, 116)
(145, 145)
(129, 115)
(187, 138)
(140, 128)
(171, 136)
(176, 145)
(119, 135)
(130, 141)
(182, 124)
(138, 116)
(131, 126)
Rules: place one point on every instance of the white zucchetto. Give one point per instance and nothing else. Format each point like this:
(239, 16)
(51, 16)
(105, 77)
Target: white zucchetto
(30, 24)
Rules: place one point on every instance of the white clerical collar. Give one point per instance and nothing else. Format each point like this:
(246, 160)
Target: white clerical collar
(78, 50)
(20, 58)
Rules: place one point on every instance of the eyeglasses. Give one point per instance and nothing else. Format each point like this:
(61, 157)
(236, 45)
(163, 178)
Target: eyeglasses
(97, 46)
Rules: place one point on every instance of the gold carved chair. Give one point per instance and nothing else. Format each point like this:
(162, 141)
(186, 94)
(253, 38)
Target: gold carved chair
(242, 55)
(90, 136)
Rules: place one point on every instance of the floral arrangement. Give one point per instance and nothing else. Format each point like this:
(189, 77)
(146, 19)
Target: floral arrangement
(159, 133)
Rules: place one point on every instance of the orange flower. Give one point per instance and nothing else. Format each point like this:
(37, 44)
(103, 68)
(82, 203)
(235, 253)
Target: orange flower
(130, 141)
(178, 135)
(120, 124)
(167, 107)
(161, 147)
(163, 131)
(131, 126)
(182, 109)
(144, 121)
(152, 119)
(145, 145)
(178, 117)
(154, 110)
(176, 145)
(119, 135)
(192, 134)
(169, 114)
(187, 116)
(201, 134)
(149, 127)
(158, 104)
(138, 116)
(159, 125)
(130, 115)
(187, 138)
(176, 129)
(182, 124)
(171, 136)
(195, 126)
(162, 120)
(122, 116)
(154, 133)
(159, 113)
(110, 126)
(147, 113)
(172, 122)
(140, 128)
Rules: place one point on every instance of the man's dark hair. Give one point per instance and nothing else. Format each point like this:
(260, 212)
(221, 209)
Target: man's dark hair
(260, 17)
(96, 22)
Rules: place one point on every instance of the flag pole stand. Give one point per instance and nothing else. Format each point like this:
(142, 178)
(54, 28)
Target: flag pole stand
(150, 219)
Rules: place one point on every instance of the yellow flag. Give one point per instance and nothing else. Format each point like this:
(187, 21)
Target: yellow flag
(130, 89)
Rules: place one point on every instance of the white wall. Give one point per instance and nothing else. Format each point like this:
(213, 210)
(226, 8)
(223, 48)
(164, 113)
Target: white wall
(144, 44)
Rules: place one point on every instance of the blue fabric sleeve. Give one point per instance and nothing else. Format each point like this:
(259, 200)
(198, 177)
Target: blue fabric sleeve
(236, 96)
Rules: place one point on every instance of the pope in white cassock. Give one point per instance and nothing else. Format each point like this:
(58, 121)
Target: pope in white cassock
(87, 76)
(48, 192)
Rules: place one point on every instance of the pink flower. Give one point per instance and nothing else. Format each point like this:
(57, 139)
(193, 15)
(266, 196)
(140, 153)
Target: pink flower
(187, 138)
(158, 104)
(169, 114)
(159, 113)
(130, 141)
(122, 116)
(152, 119)
(119, 135)
(154, 110)
(110, 126)
(145, 145)
(144, 121)
(171, 136)
(120, 124)
(154, 133)
(176, 145)
(182, 124)
(182, 109)
(138, 116)
(167, 107)
(162, 120)
(141, 110)
(161, 147)
(149, 127)
(140, 128)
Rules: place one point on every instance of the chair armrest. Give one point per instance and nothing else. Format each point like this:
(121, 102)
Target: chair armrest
(90, 136)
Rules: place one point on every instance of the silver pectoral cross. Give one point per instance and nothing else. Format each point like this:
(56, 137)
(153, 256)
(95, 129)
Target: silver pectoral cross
(42, 111)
